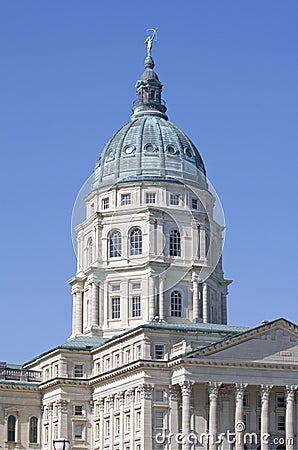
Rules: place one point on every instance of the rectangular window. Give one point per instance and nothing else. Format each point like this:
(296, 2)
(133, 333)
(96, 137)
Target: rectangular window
(174, 199)
(281, 423)
(138, 351)
(46, 435)
(150, 197)
(97, 431)
(78, 371)
(116, 308)
(136, 306)
(159, 396)
(125, 199)
(108, 364)
(117, 426)
(280, 401)
(105, 203)
(78, 431)
(78, 410)
(138, 420)
(56, 431)
(159, 419)
(117, 360)
(245, 400)
(127, 423)
(194, 203)
(128, 356)
(107, 428)
(138, 396)
(159, 351)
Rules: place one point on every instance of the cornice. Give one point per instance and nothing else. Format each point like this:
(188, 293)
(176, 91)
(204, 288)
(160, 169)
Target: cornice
(237, 364)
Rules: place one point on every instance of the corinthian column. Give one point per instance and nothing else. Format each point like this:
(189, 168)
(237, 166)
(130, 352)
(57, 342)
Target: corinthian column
(151, 297)
(205, 303)
(161, 298)
(195, 297)
(146, 408)
(265, 391)
(186, 388)
(213, 389)
(239, 425)
(111, 406)
(290, 403)
(94, 305)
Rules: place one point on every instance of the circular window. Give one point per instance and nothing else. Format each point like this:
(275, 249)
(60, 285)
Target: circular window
(171, 150)
(150, 148)
(129, 149)
(188, 152)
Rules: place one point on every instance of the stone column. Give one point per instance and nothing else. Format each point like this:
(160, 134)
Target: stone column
(74, 313)
(111, 407)
(205, 303)
(151, 297)
(174, 426)
(79, 313)
(202, 242)
(146, 408)
(132, 418)
(50, 415)
(265, 392)
(186, 389)
(290, 403)
(161, 298)
(213, 389)
(121, 418)
(195, 297)
(101, 423)
(94, 305)
(239, 425)
(62, 418)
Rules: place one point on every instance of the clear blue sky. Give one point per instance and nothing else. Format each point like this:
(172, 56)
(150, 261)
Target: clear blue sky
(68, 69)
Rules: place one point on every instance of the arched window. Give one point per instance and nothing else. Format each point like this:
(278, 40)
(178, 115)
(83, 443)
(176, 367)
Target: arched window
(89, 252)
(175, 243)
(136, 242)
(176, 304)
(115, 244)
(33, 430)
(11, 429)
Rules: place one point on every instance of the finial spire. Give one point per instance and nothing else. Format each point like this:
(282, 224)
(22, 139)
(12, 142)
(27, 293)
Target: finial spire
(151, 36)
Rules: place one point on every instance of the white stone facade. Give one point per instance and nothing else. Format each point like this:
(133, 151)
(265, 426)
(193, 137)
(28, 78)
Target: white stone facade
(151, 362)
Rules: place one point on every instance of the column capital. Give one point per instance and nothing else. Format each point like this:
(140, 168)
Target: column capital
(239, 390)
(101, 404)
(62, 405)
(111, 401)
(265, 391)
(213, 389)
(146, 391)
(290, 392)
(186, 387)
(131, 395)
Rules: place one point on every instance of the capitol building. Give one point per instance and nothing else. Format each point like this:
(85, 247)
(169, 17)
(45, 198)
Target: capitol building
(152, 362)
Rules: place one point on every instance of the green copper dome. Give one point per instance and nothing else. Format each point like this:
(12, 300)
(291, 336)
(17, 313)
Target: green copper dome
(149, 147)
